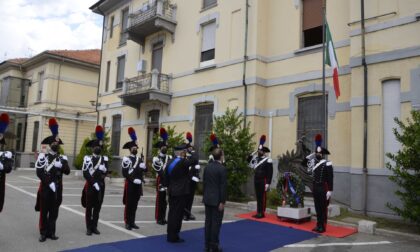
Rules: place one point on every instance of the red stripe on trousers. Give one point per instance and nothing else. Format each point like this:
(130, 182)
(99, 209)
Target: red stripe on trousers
(336, 83)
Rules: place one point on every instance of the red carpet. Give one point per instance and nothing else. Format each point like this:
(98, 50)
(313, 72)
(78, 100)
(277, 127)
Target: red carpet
(333, 231)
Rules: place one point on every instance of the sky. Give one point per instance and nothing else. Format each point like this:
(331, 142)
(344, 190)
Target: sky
(29, 27)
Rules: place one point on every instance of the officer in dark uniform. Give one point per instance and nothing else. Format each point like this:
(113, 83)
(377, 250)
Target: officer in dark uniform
(322, 172)
(177, 180)
(49, 169)
(133, 169)
(263, 173)
(159, 165)
(195, 171)
(95, 168)
(6, 157)
(215, 144)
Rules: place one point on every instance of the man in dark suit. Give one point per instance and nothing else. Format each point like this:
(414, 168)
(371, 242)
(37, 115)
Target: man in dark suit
(177, 180)
(214, 198)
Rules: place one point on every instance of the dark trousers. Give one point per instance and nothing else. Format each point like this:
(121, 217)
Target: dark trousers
(190, 199)
(321, 204)
(260, 193)
(94, 201)
(48, 213)
(212, 227)
(176, 212)
(160, 205)
(133, 197)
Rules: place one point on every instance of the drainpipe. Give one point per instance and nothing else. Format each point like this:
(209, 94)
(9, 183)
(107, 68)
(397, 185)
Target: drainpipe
(100, 65)
(76, 131)
(58, 87)
(245, 61)
(365, 108)
(270, 130)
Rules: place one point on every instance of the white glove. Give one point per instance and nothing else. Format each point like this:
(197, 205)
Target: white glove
(137, 181)
(96, 186)
(266, 187)
(64, 157)
(8, 154)
(58, 164)
(197, 167)
(329, 193)
(195, 179)
(52, 186)
(1, 166)
(102, 168)
(143, 166)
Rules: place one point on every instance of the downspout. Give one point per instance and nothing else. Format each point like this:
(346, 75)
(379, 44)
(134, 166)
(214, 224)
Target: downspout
(76, 131)
(58, 87)
(365, 108)
(270, 130)
(100, 66)
(245, 61)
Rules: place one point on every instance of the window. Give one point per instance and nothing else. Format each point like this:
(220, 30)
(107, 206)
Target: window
(202, 129)
(208, 43)
(18, 136)
(209, 3)
(391, 108)
(104, 122)
(111, 27)
(35, 136)
(312, 22)
(311, 119)
(108, 69)
(40, 86)
(124, 25)
(120, 72)
(116, 134)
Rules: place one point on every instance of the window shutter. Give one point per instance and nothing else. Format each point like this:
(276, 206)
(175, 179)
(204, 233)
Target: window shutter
(312, 14)
(209, 37)
(116, 134)
(120, 71)
(391, 108)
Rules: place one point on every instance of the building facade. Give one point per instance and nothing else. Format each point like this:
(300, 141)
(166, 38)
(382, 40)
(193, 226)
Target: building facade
(57, 84)
(182, 62)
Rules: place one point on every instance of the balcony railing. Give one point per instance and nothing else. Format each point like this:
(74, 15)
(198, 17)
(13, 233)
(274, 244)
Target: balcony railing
(151, 86)
(150, 19)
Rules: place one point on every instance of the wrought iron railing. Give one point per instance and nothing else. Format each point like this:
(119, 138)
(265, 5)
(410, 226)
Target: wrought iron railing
(145, 82)
(159, 8)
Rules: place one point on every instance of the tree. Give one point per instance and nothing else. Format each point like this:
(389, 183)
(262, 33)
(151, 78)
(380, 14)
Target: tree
(236, 142)
(406, 168)
(106, 151)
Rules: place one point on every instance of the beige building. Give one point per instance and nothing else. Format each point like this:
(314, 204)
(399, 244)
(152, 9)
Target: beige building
(181, 62)
(57, 84)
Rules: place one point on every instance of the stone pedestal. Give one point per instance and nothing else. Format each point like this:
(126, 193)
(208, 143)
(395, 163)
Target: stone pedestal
(301, 214)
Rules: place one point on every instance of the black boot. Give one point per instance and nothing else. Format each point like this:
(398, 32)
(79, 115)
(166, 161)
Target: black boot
(128, 226)
(95, 231)
(42, 238)
(53, 237)
(89, 232)
(134, 226)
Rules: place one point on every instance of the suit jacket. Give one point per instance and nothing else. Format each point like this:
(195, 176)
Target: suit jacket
(214, 184)
(178, 180)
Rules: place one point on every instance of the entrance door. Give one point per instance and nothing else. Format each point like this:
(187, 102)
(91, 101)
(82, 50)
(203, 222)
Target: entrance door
(311, 120)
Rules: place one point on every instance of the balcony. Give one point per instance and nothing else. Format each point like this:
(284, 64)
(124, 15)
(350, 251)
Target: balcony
(147, 87)
(150, 19)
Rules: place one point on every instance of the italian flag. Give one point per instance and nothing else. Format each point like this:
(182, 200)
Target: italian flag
(331, 59)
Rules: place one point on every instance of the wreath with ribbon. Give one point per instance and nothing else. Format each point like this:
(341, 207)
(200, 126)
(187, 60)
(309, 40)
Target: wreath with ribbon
(291, 190)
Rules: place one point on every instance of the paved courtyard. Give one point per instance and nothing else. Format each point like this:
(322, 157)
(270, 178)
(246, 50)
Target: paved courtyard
(19, 221)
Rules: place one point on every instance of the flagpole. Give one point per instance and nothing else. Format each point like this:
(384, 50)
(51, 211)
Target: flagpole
(324, 97)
